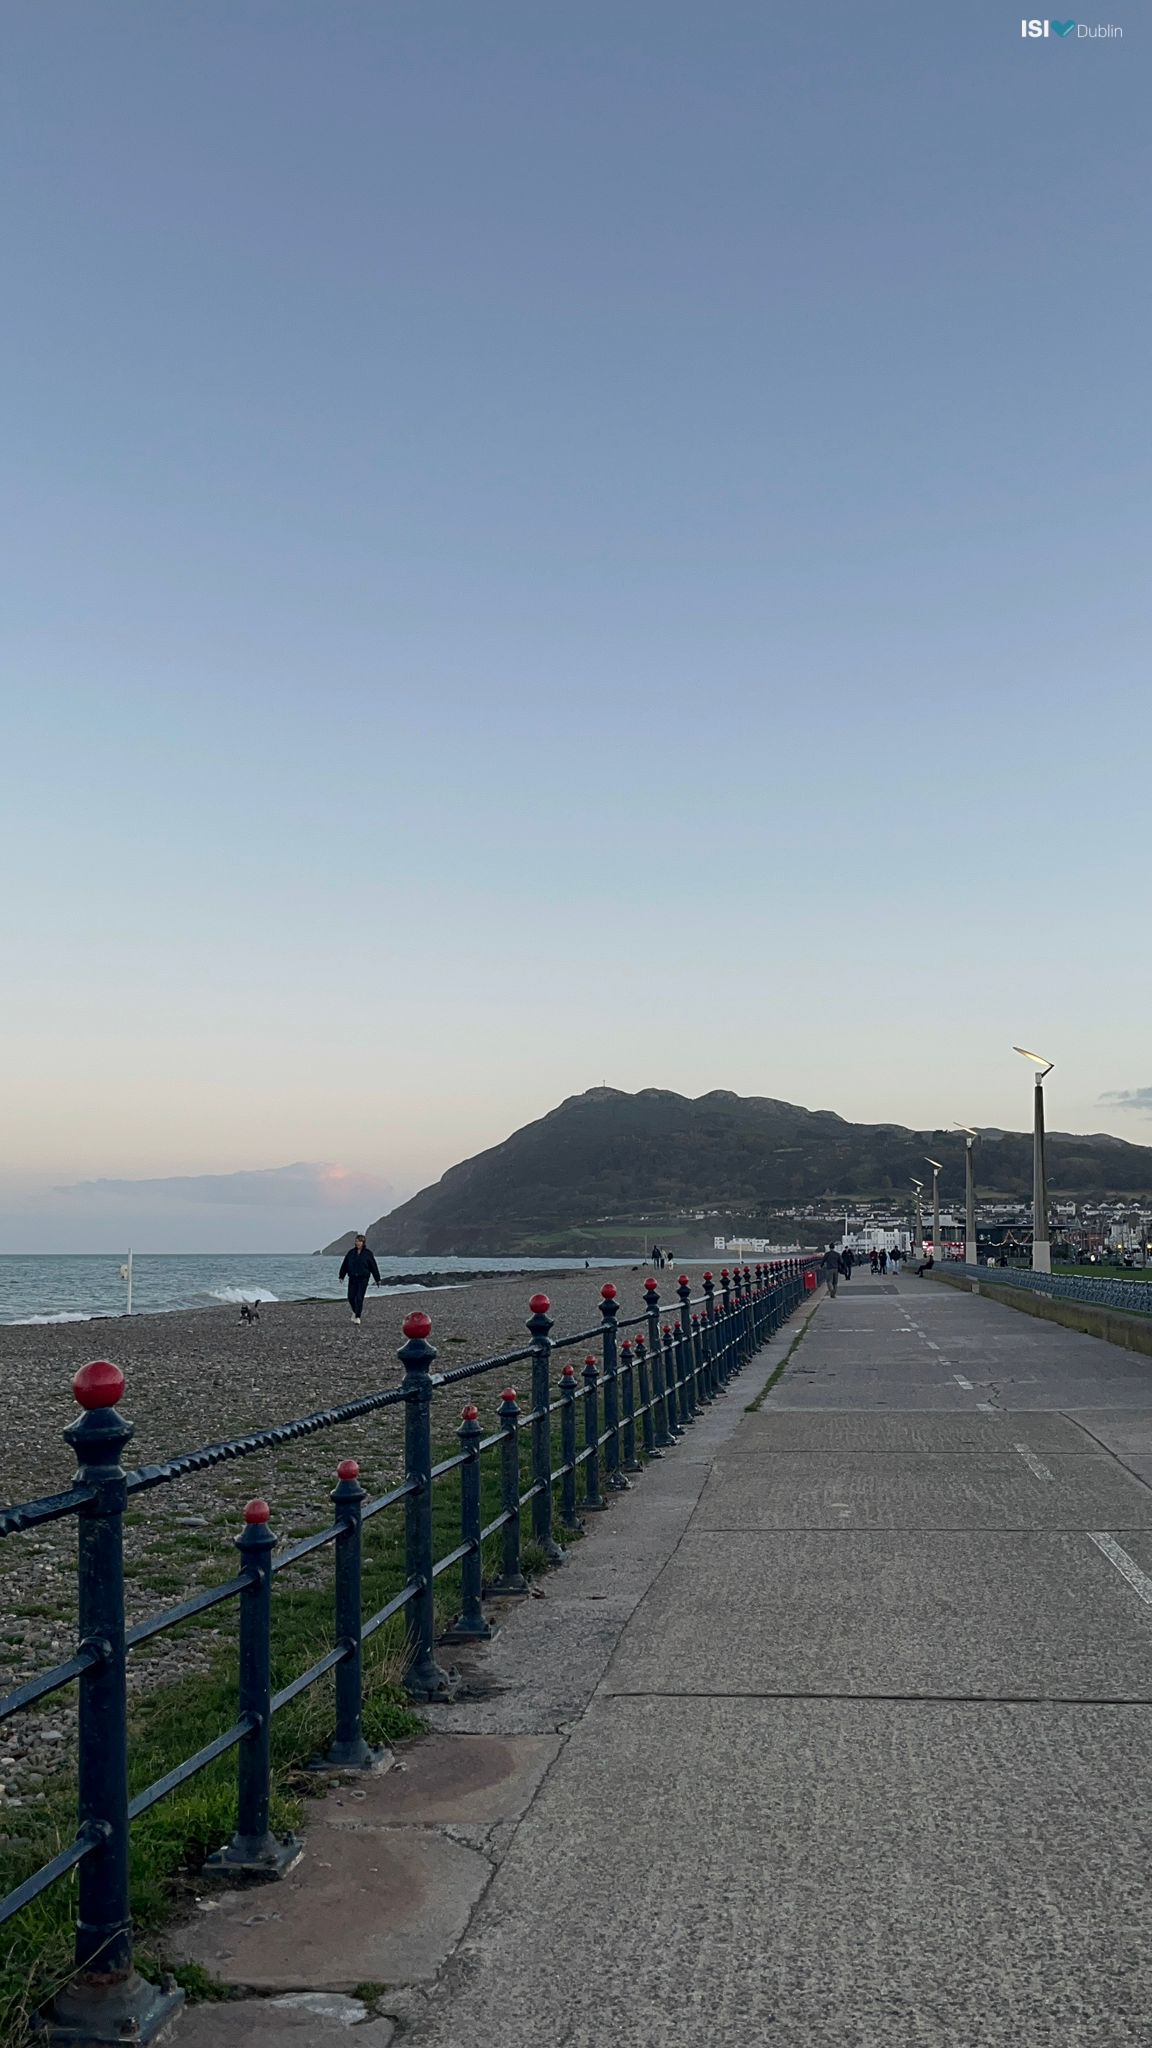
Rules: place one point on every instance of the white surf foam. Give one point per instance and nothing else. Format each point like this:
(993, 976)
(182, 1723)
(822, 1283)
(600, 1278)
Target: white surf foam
(239, 1294)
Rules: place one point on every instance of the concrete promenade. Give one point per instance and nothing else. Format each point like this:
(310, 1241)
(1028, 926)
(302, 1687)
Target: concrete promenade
(838, 1730)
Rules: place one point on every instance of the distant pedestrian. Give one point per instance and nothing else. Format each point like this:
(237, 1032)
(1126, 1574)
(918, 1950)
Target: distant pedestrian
(926, 1267)
(883, 1260)
(894, 1257)
(359, 1266)
(849, 1262)
(830, 1268)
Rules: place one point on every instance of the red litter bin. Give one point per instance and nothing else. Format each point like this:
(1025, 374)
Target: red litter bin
(809, 1280)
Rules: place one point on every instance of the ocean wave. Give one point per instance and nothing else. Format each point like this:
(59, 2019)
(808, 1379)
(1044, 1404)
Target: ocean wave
(67, 1315)
(239, 1294)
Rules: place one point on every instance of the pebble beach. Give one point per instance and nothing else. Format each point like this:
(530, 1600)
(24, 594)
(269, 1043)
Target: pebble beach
(192, 1379)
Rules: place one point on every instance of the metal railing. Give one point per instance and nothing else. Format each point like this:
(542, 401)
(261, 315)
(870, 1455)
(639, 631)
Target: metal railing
(633, 1400)
(1133, 1296)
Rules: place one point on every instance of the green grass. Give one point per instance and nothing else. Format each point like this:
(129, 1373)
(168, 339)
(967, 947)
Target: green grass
(1105, 1272)
(170, 1843)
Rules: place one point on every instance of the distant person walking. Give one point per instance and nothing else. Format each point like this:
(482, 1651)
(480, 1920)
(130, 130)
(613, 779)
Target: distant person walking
(848, 1262)
(830, 1267)
(359, 1266)
(883, 1260)
(874, 1261)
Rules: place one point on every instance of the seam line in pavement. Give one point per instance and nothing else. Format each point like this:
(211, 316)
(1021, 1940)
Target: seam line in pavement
(913, 1699)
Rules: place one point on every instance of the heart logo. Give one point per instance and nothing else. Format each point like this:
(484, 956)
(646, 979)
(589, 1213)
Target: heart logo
(1063, 28)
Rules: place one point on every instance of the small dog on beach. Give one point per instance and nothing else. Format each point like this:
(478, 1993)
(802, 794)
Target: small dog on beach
(249, 1312)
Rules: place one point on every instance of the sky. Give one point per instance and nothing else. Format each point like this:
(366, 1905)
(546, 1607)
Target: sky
(544, 545)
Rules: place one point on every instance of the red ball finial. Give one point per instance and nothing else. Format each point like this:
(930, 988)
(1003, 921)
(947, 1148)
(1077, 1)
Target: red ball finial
(509, 1394)
(347, 1469)
(539, 1304)
(256, 1513)
(626, 1346)
(707, 1276)
(608, 1291)
(683, 1280)
(470, 1414)
(589, 1360)
(417, 1324)
(569, 1371)
(650, 1287)
(98, 1385)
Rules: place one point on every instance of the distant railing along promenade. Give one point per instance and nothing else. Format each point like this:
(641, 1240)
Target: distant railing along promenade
(1132, 1296)
(631, 1399)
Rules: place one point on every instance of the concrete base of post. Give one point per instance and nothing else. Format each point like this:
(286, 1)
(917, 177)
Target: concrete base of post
(244, 1856)
(88, 2014)
(509, 1586)
(618, 1484)
(354, 1756)
(463, 1631)
(1042, 1257)
(427, 1680)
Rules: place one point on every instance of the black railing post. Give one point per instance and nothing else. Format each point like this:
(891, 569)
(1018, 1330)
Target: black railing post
(511, 1579)
(711, 1349)
(703, 1391)
(424, 1678)
(750, 1300)
(594, 1501)
(684, 1291)
(688, 1405)
(675, 1427)
(106, 1999)
(539, 1324)
(470, 1625)
(610, 1309)
(254, 1849)
(647, 1426)
(568, 1515)
(731, 1362)
(628, 1390)
(659, 1381)
(349, 1751)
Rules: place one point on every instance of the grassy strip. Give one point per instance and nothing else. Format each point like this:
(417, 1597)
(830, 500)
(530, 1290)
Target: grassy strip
(770, 1382)
(170, 1842)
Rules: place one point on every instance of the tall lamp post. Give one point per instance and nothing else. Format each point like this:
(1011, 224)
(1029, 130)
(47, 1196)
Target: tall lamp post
(919, 1187)
(970, 1137)
(937, 1167)
(1041, 1248)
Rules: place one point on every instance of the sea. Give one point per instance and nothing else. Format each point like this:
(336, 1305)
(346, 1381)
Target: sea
(63, 1288)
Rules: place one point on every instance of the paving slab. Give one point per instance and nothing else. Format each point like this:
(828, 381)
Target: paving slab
(462, 1781)
(772, 1429)
(814, 1874)
(306, 2019)
(930, 1615)
(365, 1906)
(913, 1490)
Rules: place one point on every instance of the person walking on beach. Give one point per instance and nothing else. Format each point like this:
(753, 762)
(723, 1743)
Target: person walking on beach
(359, 1266)
(830, 1267)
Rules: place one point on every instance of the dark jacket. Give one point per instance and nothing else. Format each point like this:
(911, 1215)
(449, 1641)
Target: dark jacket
(360, 1266)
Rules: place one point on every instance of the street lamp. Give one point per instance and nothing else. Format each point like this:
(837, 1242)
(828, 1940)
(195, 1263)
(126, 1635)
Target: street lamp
(919, 1187)
(1041, 1249)
(970, 1137)
(937, 1166)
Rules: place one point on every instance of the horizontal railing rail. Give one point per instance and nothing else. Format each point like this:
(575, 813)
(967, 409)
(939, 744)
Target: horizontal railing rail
(634, 1398)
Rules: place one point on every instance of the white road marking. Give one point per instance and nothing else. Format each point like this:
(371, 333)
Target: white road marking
(1125, 1565)
(986, 1408)
(1033, 1463)
(962, 1382)
(931, 1345)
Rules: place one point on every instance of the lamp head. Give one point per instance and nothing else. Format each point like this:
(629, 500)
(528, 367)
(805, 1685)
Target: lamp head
(937, 1165)
(968, 1131)
(1037, 1060)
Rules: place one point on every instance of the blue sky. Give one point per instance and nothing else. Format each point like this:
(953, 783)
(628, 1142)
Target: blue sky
(546, 545)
